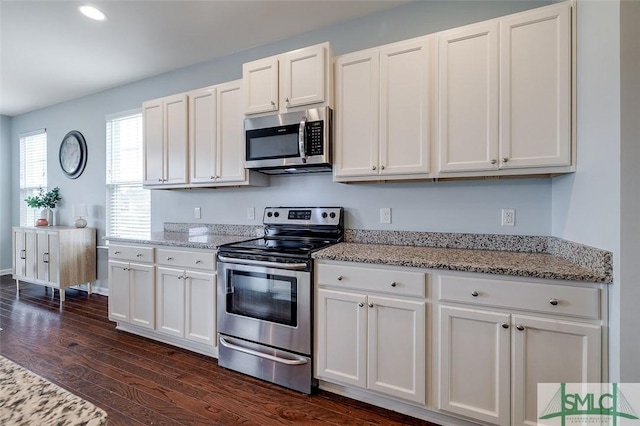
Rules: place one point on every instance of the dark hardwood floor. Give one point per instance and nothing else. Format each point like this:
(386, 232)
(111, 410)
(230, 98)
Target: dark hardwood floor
(139, 381)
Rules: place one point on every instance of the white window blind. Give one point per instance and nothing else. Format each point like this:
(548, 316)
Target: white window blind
(128, 204)
(33, 172)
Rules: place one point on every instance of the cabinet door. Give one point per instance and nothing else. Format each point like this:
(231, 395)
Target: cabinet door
(119, 294)
(170, 303)
(551, 351)
(396, 349)
(357, 99)
(404, 108)
(342, 337)
(176, 143)
(47, 256)
(474, 373)
(260, 79)
(200, 307)
(142, 295)
(303, 76)
(230, 133)
(31, 255)
(202, 135)
(535, 88)
(468, 98)
(19, 253)
(153, 142)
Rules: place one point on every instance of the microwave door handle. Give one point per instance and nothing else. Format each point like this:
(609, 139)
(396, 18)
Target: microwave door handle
(301, 138)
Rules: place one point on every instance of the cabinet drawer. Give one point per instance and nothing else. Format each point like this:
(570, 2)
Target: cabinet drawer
(403, 283)
(132, 253)
(547, 298)
(186, 259)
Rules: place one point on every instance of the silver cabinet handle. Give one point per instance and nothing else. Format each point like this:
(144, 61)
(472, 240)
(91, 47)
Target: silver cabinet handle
(160, 180)
(360, 304)
(125, 269)
(554, 302)
(227, 344)
(287, 101)
(198, 262)
(474, 293)
(23, 254)
(373, 168)
(393, 284)
(116, 252)
(169, 258)
(381, 167)
(340, 277)
(504, 325)
(494, 161)
(139, 255)
(505, 159)
(45, 257)
(520, 327)
(371, 305)
(273, 104)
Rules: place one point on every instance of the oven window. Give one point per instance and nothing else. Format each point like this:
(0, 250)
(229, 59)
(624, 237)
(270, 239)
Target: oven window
(261, 296)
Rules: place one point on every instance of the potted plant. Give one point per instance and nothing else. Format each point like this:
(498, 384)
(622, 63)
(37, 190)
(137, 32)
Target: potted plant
(45, 201)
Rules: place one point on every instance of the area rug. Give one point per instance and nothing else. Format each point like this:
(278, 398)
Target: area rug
(28, 399)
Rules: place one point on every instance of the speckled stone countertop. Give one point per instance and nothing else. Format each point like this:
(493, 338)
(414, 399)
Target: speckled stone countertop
(181, 239)
(522, 264)
(28, 399)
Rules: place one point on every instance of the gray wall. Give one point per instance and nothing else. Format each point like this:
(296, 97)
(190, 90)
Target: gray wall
(5, 194)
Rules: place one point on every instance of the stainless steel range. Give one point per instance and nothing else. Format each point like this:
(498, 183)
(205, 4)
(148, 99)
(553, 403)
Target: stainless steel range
(265, 295)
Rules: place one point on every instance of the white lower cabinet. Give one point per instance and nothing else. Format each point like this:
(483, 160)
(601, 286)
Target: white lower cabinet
(369, 340)
(132, 293)
(491, 360)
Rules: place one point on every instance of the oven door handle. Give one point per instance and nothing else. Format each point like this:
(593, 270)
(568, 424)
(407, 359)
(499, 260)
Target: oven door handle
(296, 266)
(298, 361)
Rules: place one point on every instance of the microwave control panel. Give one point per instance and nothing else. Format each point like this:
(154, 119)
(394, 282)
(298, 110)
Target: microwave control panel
(315, 130)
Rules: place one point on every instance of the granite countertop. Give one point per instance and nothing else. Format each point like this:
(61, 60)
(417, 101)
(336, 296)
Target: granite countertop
(181, 239)
(28, 399)
(522, 264)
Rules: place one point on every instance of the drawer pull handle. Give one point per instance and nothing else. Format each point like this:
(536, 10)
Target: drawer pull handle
(554, 302)
(116, 252)
(474, 293)
(505, 325)
(360, 305)
(198, 262)
(339, 277)
(139, 255)
(371, 305)
(169, 258)
(520, 327)
(393, 284)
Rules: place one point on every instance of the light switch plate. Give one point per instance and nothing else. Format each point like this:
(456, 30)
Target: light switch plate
(197, 213)
(251, 213)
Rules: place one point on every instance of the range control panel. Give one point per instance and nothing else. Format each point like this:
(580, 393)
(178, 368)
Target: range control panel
(302, 216)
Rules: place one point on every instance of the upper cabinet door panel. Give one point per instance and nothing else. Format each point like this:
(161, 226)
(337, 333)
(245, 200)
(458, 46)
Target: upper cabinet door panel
(535, 87)
(153, 142)
(176, 138)
(303, 76)
(261, 85)
(230, 151)
(404, 108)
(357, 100)
(468, 98)
(202, 135)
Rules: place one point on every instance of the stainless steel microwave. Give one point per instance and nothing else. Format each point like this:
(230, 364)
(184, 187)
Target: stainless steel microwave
(294, 142)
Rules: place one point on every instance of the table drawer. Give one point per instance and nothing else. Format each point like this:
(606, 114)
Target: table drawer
(403, 283)
(547, 298)
(187, 259)
(131, 253)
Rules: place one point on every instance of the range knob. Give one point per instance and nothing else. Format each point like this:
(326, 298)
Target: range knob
(276, 214)
(269, 214)
(332, 215)
(324, 215)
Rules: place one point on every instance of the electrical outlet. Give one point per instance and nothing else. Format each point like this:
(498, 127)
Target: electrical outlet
(251, 213)
(508, 217)
(385, 215)
(197, 213)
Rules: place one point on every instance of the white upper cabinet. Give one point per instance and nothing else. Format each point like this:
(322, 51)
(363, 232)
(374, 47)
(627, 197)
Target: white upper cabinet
(505, 95)
(230, 134)
(468, 98)
(202, 135)
(382, 112)
(282, 83)
(165, 141)
(535, 88)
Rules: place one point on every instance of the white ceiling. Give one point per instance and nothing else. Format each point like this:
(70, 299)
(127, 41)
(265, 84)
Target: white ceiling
(51, 53)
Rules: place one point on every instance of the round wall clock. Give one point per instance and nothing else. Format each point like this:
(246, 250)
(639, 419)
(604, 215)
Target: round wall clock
(73, 154)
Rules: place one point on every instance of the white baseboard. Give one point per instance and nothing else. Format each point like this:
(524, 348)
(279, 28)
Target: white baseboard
(5, 272)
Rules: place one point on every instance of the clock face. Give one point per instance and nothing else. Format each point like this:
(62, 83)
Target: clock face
(73, 154)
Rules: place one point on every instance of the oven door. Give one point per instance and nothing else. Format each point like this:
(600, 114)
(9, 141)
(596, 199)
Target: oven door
(265, 304)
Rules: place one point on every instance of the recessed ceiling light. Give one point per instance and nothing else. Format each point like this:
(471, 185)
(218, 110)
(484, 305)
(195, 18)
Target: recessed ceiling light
(92, 12)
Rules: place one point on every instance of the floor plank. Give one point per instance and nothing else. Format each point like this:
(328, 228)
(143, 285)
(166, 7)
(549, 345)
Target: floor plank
(140, 381)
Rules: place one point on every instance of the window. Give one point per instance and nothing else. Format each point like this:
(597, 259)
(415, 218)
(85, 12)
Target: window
(33, 172)
(128, 204)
